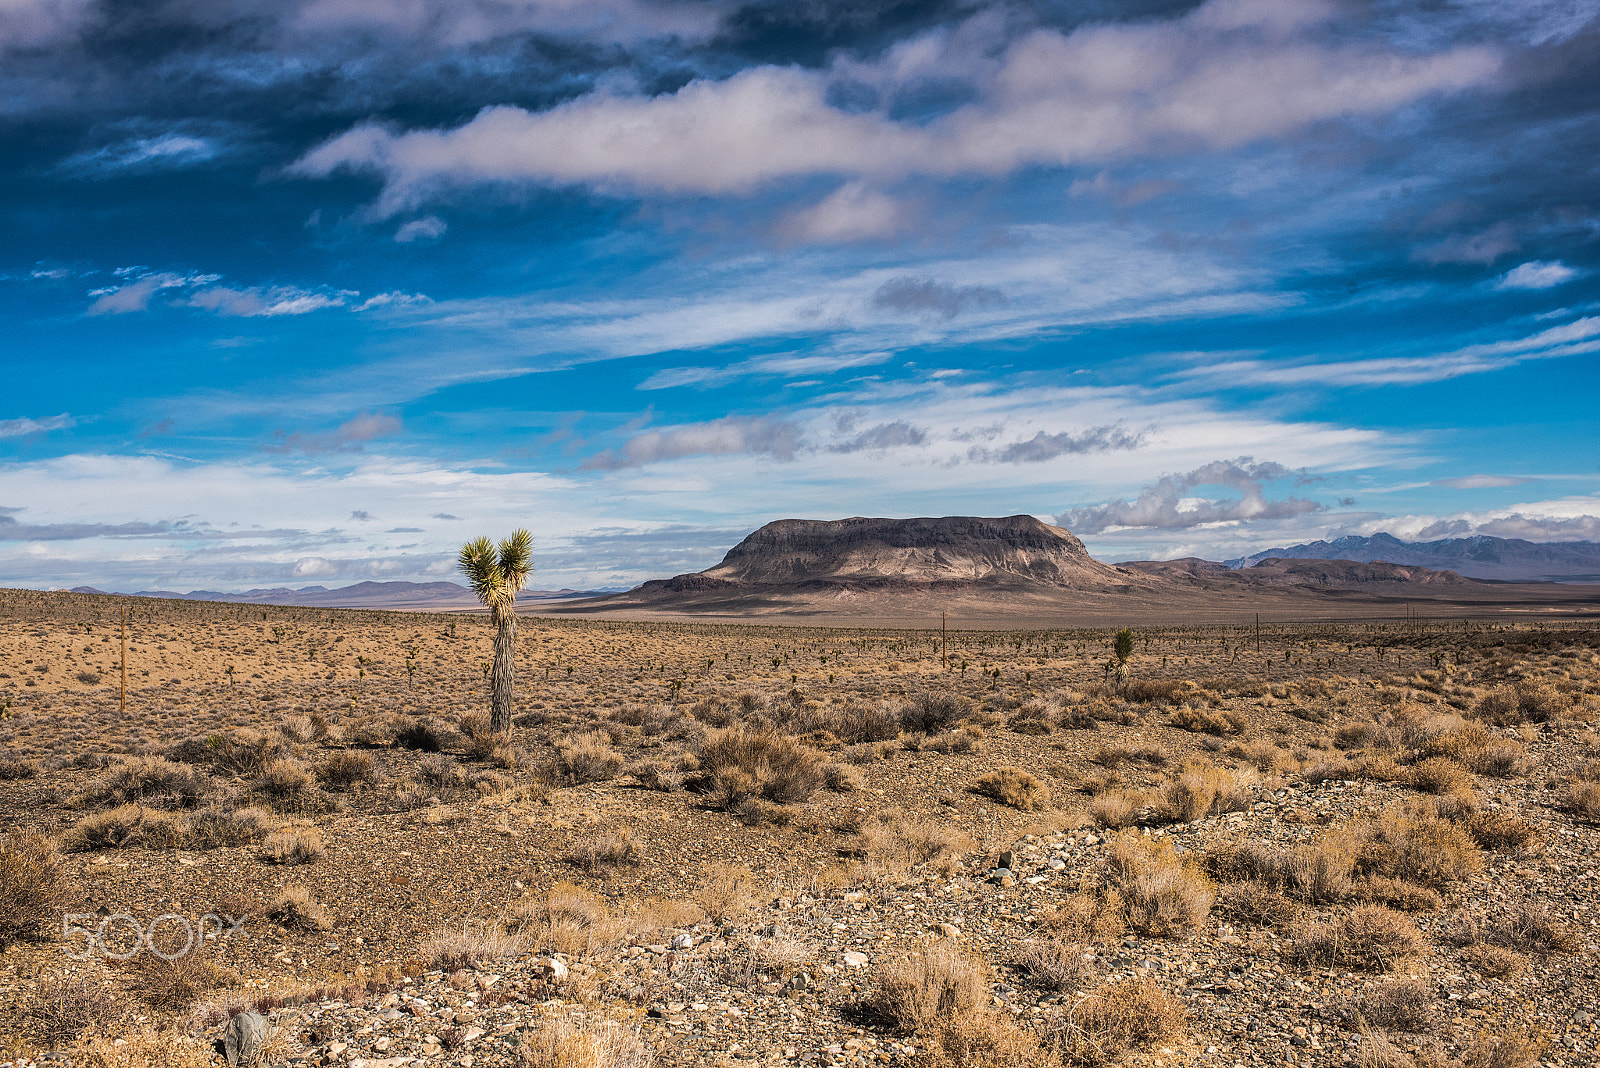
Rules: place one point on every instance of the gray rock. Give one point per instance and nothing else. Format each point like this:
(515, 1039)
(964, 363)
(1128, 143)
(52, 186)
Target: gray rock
(242, 1038)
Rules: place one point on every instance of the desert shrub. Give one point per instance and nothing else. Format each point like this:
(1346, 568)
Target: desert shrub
(1440, 775)
(561, 1042)
(479, 738)
(1476, 748)
(615, 847)
(956, 741)
(33, 886)
(422, 735)
(1402, 1005)
(1369, 937)
(1156, 691)
(1116, 1019)
(296, 845)
(1053, 964)
(64, 1008)
(123, 827)
(176, 984)
(1116, 808)
(1257, 906)
(283, 781)
(843, 779)
(1087, 917)
(1527, 927)
(566, 919)
(1014, 787)
(737, 763)
(1317, 872)
(1493, 962)
(1197, 790)
(930, 712)
(898, 844)
(151, 779)
(436, 769)
(1493, 829)
(1582, 799)
(862, 721)
(344, 768)
(588, 758)
(14, 767)
(140, 1049)
(1397, 894)
(295, 909)
(1219, 721)
(473, 944)
(376, 731)
(663, 775)
(1524, 702)
(303, 728)
(1163, 894)
(1111, 756)
(217, 825)
(1506, 1049)
(939, 984)
(1419, 848)
(727, 892)
(239, 752)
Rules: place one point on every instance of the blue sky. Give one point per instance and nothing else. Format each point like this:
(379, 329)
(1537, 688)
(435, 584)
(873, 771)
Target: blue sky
(312, 291)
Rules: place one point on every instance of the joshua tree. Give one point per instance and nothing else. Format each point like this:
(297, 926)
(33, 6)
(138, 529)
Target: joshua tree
(1122, 649)
(496, 580)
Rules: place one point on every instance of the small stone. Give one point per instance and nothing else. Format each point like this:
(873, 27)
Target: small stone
(854, 959)
(948, 930)
(551, 968)
(682, 941)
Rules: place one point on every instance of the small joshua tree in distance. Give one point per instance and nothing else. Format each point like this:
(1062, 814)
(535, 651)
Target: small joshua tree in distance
(1122, 649)
(495, 576)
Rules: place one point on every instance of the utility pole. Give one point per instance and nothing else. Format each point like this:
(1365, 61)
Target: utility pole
(124, 660)
(1258, 632)
(944, 642)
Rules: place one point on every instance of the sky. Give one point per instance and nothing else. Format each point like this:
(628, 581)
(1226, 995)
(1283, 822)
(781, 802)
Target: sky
(310, 292)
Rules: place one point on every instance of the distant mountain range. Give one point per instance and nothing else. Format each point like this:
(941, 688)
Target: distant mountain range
(394, 595)
(1480, 557)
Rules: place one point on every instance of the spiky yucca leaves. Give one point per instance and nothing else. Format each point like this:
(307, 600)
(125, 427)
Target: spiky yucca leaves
(496, 576)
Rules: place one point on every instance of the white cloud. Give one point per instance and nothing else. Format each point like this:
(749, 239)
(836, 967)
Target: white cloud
(781, 365)
(17, 428)
(456, 23)
(853, 212)
(1571, 339)
(268, 301)
(427, 228)
(1536, 274)
(1481, 482)
(142, 153)
(1166, 505)
(775, 438)
(1226, 75)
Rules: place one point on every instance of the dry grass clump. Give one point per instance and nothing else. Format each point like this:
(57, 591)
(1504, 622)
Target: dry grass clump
(1401, 1005)
(1257, 906)
(216, 826)
(1318, 872)
(1582, 799)
(15, 767)
(727, 892)
(738, 763)
(1053, 964)
(1014, 787)
(123, 827)
(1218, 721)
(566, 919)
(295, 909)
(436, 769)
(588, 758)
(900, 845)
(1156, 691)
(286, 783)
(1419, 848)
(141, 1049)
(1524, 702)
(471, 945)
(1116, 1019)
(1117, 809)
(1476, 748)
(1527, 927)
(941, 995)
(927, 713)
(1493, 962)
(1111, 756)
(612, 848)
(240, 752)
(154, 779)
(1087, 917)
(1440, 775)
(295, 845)
(34, 885)
(173, 985)
(65, 1008)
(1492, 829)
(562, 1042)
(422, 735)
(1162, 893)
(1369, 937)
(843, 779)
(1199, 789)
(345, 768)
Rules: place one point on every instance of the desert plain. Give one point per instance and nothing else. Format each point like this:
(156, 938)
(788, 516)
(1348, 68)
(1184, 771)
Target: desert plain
(1363, 841)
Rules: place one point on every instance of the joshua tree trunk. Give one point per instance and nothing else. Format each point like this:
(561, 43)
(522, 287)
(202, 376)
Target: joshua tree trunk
(502, 676)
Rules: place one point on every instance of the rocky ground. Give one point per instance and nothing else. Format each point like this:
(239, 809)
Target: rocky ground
(570, 899)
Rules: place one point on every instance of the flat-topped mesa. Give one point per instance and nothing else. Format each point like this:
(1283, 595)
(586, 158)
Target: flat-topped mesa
(877, 553)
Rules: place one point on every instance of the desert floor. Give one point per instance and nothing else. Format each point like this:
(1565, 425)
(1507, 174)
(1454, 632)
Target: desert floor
(1321, 844)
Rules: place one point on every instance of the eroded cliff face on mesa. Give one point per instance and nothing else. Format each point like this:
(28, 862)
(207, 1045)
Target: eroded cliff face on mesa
(1014, 551)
